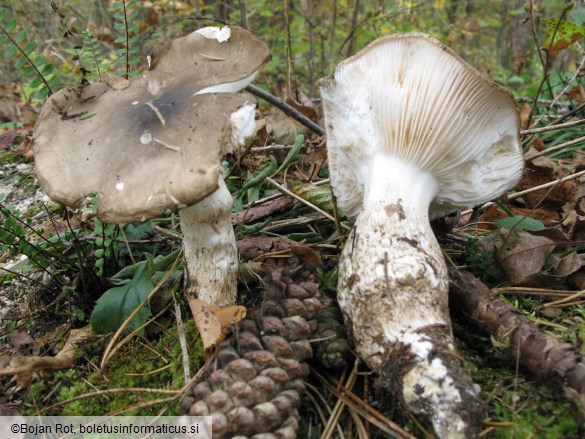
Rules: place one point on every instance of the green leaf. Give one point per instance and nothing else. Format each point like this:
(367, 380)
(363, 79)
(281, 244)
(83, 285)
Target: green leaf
(42, 93)
(117, 5)
(35, 82)
(10, 26)
(560, 34)
(132, 15)
(20, 37)
(119, 26)
(117, 304)
(3, 13)
(30, 47)
(20, 63)
(10, 52)
(519, 222)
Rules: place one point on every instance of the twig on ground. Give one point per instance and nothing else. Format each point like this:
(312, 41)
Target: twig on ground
(552, 127)
(555, 148)
(289, 110)
(538, 352)
(546, 185)
(305, 202)
(182, 340)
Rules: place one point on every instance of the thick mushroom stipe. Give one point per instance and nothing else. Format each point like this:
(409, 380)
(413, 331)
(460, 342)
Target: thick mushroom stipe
(411, 127)
(211, 257)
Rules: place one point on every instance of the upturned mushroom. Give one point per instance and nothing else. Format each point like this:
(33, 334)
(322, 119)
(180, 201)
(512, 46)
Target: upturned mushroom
(413, 131)
(153, 144)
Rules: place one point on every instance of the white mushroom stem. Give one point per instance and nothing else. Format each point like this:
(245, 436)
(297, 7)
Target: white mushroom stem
(393, 290)
(211, 258)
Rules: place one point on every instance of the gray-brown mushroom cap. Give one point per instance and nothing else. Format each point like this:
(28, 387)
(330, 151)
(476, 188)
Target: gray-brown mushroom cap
(152, 143)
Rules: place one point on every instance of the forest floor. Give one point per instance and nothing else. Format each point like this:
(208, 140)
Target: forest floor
(44, 310)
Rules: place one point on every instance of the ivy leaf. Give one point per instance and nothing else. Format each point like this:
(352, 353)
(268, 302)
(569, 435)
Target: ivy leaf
(115, 305)
(560, 34)
(519, 222)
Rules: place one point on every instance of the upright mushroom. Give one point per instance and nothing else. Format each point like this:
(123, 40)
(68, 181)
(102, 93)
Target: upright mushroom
(411, 128)
(154, 143)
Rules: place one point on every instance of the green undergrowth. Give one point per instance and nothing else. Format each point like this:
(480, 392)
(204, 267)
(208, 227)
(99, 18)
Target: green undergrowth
(521, 406)
(139, 364)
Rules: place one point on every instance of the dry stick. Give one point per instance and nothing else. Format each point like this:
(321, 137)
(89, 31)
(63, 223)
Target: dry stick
(305, 202)
(556, 148)
(552, 127)
(286, 108)
(538, 352)
(546, 185)
(182, 340)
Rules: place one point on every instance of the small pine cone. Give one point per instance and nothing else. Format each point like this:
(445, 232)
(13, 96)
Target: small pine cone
(255, 390)
(334, 350)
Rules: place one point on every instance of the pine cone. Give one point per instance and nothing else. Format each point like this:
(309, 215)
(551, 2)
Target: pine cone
(333, 349)
(256, 387)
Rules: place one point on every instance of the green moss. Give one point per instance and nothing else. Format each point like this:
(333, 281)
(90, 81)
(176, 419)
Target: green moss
(138, 364)
(524, 406)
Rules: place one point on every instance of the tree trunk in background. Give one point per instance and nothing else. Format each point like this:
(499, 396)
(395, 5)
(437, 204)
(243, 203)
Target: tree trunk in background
(221, 10)
(518, 38)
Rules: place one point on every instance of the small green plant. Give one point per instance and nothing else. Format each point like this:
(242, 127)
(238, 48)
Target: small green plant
(42, 80)
(92, 59)
(480, 262)
(125, 13)
(106, 241)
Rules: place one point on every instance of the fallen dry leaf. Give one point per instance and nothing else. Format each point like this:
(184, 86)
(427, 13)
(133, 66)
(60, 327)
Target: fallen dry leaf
(533, 258)
(25, 367)
(214, 322)
(7, 139)
(261, 211)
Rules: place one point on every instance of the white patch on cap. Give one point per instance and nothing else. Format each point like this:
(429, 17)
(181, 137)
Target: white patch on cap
(243, 124)
(215, 33)
(120, 185)
(146, 138)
